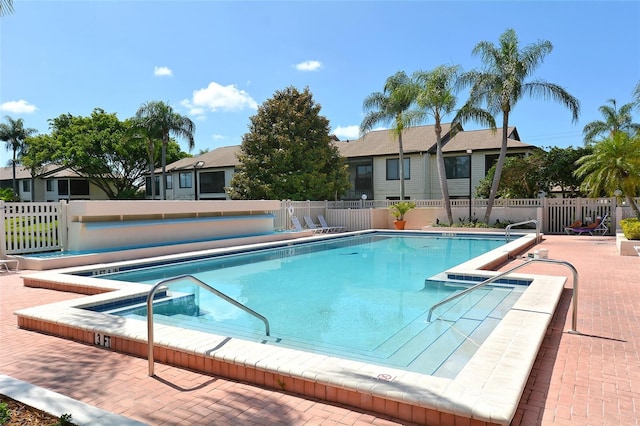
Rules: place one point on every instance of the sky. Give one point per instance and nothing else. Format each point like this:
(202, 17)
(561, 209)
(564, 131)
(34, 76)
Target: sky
(216, 62)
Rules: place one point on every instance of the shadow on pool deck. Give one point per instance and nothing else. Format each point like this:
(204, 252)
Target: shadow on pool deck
(589, 378)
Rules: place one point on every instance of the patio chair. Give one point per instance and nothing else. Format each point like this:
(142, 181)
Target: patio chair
(326, 227)
(598, 227)
(297, 226)
(312, 225)
(4, 264)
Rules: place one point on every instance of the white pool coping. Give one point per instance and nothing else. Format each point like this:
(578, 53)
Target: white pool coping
(488, 388)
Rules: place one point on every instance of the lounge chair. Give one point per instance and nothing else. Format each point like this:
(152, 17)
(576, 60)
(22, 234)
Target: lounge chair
(598, 227)
(4, 264)
(297, 226)
(314, 226)
(326, 227)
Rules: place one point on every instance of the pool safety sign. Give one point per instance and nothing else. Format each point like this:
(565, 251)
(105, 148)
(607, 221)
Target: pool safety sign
(102, 340)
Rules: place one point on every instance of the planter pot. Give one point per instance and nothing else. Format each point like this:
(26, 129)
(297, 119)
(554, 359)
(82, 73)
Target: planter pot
(399, 224)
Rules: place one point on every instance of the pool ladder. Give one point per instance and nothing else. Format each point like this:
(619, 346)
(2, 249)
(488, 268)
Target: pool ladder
(507, 231)
(201, 284)
(574, 317)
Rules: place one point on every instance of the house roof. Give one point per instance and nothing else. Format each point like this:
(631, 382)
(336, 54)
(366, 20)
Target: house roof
(485, 139)
(384, 142)
(50, 171)
(226, 156)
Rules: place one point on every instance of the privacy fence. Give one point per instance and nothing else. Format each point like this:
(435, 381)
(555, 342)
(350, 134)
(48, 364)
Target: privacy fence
(40, 227)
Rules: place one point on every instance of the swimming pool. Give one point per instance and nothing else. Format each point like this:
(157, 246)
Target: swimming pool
(363, 297)
(486, 389)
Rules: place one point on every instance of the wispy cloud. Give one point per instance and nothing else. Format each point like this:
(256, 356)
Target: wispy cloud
(309, 66)
(347, 132)
(162, 72)
(18, 107)
(216, 97)
(217, 137)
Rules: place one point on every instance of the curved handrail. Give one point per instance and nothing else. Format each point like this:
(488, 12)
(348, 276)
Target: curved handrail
(507, 232)
(202, 284)
(574, 317)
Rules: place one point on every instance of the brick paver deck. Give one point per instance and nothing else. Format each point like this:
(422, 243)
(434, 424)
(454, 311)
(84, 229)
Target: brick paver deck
(592, 378)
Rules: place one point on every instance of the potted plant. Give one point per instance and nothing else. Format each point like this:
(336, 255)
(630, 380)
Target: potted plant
(398, 210)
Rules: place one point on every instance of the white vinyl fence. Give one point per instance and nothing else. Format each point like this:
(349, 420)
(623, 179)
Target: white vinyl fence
(39, 227)
(32, 227)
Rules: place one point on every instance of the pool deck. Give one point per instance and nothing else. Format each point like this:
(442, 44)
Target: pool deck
(592, 378)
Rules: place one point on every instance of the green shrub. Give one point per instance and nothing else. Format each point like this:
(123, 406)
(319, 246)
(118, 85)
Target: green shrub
(631, 228)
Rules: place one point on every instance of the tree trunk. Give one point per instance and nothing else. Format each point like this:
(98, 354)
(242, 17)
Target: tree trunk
(163, 184)
(633, 205)
(499, 166)
(442, 174)
(401, 165)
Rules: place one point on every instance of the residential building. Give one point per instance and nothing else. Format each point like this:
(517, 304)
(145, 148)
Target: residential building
(54, 183)
(373, 165)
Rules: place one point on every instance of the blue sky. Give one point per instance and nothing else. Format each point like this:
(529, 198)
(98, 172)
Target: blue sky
(216, 61)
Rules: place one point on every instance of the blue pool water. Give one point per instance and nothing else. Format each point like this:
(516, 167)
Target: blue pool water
(364, 297)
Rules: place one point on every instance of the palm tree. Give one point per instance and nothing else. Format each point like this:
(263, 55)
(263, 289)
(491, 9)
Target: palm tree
(6, 7)
(615, 120)
(14, 134)
(392, 106)
(612, 167)
(501, 84)
(436, 98)
(138, 130)
(160, 120)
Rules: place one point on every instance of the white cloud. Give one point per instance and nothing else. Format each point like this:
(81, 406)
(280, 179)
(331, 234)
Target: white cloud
(18, 107)
(309, 66)
(348, 132)
(218, 137)
(217, 97)
(162, 72)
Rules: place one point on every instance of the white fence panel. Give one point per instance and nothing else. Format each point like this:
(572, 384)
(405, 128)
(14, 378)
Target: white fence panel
(33, 227)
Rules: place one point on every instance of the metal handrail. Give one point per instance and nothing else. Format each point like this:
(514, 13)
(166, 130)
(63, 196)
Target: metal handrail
(507, 233)
(574, 317)
(204, 285)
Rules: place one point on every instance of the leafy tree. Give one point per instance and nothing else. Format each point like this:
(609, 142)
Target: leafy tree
(522, 177)
(615, 120)
(159, 119)
(37, 155)
(436, 98)
(288, 153)
(636, 95)
(501, 84)
(14, 134)
(392, 106)
(558, 169)
(613, 165)
(98, 148)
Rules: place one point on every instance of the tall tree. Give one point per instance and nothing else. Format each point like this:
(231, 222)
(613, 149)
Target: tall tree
(288, 153)
(160, 119)
(99, 148)
(6, 7)
(436, 98)
(613, 165)
(14, 134)
(615, 120)
(393, 106)
(501, 84)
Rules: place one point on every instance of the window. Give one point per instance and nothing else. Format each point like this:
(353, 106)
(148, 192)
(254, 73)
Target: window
(457, 167)
(63, 187)
(393, 169)
(79, 187)
(26, 186)
(489, 161)
(169, 181)
(364, 175)
(185, 179)
(49, 185)
(212, 182)
(148, 186)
